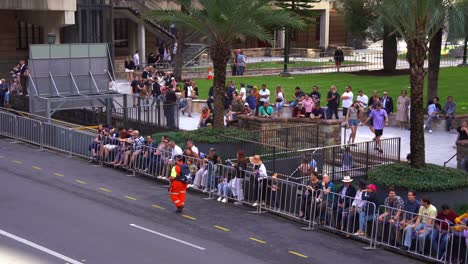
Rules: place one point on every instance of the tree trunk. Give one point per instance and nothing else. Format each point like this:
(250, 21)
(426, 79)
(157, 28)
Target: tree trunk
(179, 56)
(434, 65)
(390, 49)
(220, 54)
(416, 56)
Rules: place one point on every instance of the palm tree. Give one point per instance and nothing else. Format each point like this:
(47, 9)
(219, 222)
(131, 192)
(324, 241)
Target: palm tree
(417, 22)
(224, 21)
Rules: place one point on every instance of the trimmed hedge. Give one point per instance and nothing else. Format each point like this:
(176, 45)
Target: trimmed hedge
(203, 135)
(430, 178)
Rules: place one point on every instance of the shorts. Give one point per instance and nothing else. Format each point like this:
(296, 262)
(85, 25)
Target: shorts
(128, 70)
(353, 122)
(378, 132)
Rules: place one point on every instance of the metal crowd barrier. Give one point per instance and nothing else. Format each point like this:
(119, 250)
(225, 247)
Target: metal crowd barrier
(436, 240)
(282, 195)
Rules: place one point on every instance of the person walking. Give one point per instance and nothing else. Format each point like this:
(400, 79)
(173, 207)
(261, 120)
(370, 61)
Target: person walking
(380, 120)
(338, 56)
(352, 119)
(180, 174)
(403, 104)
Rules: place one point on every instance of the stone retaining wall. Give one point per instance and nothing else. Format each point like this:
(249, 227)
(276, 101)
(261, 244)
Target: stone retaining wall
(329, 131)
(462, 154)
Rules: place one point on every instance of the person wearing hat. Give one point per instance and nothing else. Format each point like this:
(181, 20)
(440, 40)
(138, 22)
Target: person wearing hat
(368, 210)
(178, 187)
(347, 193)
(246, 110)
(260, 184)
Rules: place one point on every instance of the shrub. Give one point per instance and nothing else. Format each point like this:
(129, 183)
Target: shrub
(205, 135)
(429, 178)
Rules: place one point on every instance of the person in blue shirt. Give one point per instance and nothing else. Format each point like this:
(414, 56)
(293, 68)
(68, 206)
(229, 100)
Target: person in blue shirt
(252, 101)
(433, 112)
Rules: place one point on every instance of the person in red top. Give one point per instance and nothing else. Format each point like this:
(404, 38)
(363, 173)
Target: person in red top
(178, 187)
(299, 111)
(439, 234)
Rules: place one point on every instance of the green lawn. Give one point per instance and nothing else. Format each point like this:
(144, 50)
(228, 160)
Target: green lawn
(452, 81)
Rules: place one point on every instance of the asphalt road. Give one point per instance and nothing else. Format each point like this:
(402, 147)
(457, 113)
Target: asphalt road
(78, 213)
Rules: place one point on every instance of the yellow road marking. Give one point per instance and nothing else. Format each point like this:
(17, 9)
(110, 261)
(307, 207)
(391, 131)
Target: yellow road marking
(58, 174)
(221, 228)
(159, 207)
(297, 254)
(189, 217)
(82, 182)
(17, 162)
(37, 168)
(258, 240)
(105, 190)
(130, 198)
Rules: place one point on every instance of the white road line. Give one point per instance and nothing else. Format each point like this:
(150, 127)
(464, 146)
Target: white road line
(168, 237)
(39, 247)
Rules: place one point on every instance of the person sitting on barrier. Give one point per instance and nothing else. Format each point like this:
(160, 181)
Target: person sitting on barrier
(367, 213)
(208, 178)
(122, 148)
(205, 117)
(148, 150)
(224, 187)
(137, 143)
(423, 226)
(193, 170)
(95, 147)
(440, 232)
(326, 199)
(309, 196)
(347, 193)
(357, 207)
(111, 143)
(261, 178)
(410, 214)
(157, 159)
(317, 112)
(389, 220)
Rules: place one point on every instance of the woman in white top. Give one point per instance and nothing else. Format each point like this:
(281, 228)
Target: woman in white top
(261, 179)
(279, 100)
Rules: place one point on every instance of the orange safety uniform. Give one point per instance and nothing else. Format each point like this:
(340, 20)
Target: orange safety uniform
(178, 188)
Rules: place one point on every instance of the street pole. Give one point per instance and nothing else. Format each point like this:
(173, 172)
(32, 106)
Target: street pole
(465, 44)
(285, 72)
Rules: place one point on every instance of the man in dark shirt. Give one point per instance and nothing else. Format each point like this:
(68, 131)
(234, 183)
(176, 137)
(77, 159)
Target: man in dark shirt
(210, 100)
(135, 90)
(439, 235)
(298, 97)
(387, 102)
(317, 112)
(170, 107)
(229, 94)
(315, 95)
(333, 99)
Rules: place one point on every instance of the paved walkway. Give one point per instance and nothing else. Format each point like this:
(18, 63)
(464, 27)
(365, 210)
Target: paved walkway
(439, 144)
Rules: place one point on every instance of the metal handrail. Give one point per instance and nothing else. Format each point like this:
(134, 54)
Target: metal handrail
(445, 163)
(53, 82)
(74, 83)
(200, 52)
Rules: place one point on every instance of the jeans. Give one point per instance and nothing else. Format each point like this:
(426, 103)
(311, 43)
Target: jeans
(279, 106)
(448, 122)
(439, 242)
(293, 103)
(420, 237)
(428, 122)
(223, 189)
(363, 219)
(240, 70)
(237, 188)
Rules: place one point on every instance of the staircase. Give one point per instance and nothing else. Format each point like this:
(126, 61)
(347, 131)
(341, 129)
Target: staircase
(195, 54)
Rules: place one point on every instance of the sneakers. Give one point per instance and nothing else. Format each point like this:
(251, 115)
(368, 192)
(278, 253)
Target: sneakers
(430, 131)
(225, 200)
(359, 233)
(255, 204)
(424, 127)
(219, 199)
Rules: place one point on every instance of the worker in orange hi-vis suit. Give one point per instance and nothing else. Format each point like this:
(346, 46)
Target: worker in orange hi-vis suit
(180, 174)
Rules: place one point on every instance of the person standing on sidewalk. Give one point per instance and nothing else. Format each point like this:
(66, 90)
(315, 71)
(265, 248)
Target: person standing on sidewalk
(179, 181)
(380, 120)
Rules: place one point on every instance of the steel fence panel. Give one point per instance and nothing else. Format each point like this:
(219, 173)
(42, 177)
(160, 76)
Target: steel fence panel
(29, 130)
(8, 125)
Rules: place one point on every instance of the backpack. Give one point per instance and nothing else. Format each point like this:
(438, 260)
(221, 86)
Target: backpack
(184, 173)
